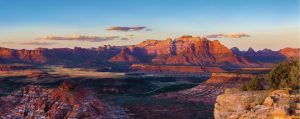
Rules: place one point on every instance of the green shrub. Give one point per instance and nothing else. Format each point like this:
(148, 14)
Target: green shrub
(254, 100)
(284, 75)
(253, 84)
(259, 100)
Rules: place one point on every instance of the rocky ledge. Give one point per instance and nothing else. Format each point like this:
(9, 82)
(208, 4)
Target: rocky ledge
(175, 68)
(235, 104)
(53, 103)
(6, 67)
(209, 90)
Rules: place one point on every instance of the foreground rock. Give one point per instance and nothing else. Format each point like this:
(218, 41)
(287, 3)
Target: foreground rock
(235, 104)
(58, 103)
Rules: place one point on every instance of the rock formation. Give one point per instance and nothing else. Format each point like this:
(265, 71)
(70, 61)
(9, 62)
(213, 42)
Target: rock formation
(235, 104)
(290, 52)
(57, 103)
(185, 50)
(61, 56)
(124, 57)
(188, 50)
(13, 67)
(37, 74)
(267, 57)
(209, 90)
(229, 78)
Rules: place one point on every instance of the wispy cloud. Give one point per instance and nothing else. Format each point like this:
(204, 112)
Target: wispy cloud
(37, 43)
(82, 38)
(236, 35)
(214, 36)
(30, 43)
(7, 42)
(230, 35)
(120, 28)
(125, 38)
(130, 35)
(148, 29)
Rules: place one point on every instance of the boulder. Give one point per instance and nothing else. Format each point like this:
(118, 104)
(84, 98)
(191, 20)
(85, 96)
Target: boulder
(256, 104)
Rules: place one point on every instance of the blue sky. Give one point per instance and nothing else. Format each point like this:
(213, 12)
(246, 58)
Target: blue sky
(265, 21)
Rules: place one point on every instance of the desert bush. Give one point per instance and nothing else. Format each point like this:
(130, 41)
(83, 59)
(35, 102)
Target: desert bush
(259, 100)
(254, 100)
(284, 75)
(253, 84)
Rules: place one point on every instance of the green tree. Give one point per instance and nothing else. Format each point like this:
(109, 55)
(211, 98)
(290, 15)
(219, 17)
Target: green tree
(294, 77)
(253, 84)
(284, 75)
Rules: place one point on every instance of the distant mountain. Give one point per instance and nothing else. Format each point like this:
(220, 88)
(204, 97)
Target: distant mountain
(267, 56)
(124, 56)
(185, 50)
(290, 52)
(59, 56)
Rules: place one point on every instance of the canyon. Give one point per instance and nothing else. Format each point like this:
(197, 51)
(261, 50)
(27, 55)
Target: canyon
(185, 77)
(210, 89)
(58, 92)
(149, 59)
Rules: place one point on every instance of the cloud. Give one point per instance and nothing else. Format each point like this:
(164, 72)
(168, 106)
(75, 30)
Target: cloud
(37, 43)
(82, 38)
(230, 35)
(7, 42)
(130, 35)
(148, 29)
(214, 36)
(119, 28)
(236, 35)
(125, 38)
(30, 43)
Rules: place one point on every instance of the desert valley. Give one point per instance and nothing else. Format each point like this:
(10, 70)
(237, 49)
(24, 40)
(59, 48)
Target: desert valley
(172, 78)
(149, 59)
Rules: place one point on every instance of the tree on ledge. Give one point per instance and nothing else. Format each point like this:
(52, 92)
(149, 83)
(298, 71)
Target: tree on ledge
(284, 75)
(253, 84)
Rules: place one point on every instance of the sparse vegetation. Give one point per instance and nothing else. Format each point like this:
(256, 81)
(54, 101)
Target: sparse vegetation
(254, 100)
(253, 84)
(284, 75)
(259, 100)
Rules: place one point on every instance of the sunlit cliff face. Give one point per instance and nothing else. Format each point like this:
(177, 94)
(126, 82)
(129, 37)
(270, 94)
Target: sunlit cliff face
(35, 39)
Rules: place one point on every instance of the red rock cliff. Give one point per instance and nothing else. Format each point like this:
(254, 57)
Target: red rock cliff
(290, 52)
(185, 50)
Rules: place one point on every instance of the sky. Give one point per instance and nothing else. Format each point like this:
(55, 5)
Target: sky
(259, 24)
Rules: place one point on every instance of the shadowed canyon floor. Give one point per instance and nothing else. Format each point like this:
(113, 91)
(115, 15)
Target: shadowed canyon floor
(58, 92)
(149, 59)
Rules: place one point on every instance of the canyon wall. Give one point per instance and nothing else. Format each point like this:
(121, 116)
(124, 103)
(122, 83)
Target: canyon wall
(185, 50)
(267, 57)
(59, 56)
(56, 103)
